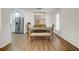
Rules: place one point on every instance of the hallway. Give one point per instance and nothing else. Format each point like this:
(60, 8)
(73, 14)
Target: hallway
(66, 23)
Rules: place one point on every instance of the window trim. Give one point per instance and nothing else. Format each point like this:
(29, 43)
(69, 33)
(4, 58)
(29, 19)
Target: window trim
(59, 28)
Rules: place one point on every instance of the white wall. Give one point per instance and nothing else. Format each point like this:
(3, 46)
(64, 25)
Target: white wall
(0, 19)
(49, 20)
(69, 25)
(12, 18)
(5, 34)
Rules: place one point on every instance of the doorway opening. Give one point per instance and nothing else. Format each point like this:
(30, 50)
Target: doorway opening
(17, 22)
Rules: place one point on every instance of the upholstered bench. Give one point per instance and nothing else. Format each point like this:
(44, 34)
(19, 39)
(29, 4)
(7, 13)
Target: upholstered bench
(40, 35)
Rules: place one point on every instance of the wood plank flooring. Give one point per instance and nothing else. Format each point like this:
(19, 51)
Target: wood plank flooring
(21, 43)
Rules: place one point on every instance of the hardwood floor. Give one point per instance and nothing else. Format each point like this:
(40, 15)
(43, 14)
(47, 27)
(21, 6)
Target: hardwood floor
(21, 43)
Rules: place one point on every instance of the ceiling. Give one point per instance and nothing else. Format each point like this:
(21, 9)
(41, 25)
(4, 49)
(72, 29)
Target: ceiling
(47, 10)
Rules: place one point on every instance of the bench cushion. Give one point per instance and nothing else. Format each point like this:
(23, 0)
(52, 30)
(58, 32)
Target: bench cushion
(40, 34)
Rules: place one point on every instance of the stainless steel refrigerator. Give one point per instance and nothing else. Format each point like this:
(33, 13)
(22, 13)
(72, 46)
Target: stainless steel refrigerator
(19, 25)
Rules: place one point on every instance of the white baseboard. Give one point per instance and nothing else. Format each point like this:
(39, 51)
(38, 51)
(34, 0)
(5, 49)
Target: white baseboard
(3, 45)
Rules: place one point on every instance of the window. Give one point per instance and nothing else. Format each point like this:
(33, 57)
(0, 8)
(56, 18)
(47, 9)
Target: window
(58, 22)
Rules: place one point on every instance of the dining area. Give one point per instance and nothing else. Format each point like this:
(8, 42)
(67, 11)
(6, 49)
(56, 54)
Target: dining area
(40, 32)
